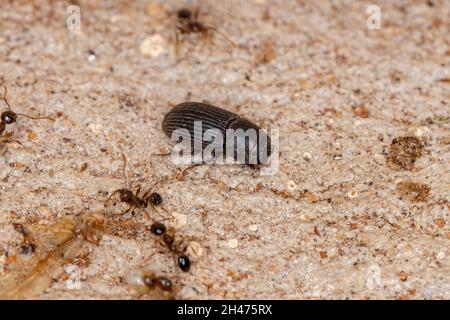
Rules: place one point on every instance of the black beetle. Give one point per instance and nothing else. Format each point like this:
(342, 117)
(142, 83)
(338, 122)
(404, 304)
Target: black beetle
(221, 128)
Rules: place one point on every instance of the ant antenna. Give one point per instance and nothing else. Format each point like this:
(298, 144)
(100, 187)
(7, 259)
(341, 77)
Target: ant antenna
(35, 118)
(124, 170)
(222, 35)
(21, 114)
(4, 97)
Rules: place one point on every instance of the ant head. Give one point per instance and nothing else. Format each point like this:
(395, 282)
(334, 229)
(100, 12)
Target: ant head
(9, 117)
(184, 14)
(155, 198)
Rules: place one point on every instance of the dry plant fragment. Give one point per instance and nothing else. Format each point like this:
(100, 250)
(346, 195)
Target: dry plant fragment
(403, 153)
(58, 243)
(403, 276)
(361, 111)
(413, 191)
(440, 222)
(267, 53)
(145, 281)
(91, 225)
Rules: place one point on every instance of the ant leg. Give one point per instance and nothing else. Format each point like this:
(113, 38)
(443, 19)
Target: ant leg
(156, 211)
(147, 192)
(222, 35)
(147, 260)
(129, 209)
(112, 194)
(196, 13)
(209, 36)
(203, 39)
(147, 215)
(183, 172)
(138, 189)
(171, 215)
(177, 43)
(7, 139)
(124, 168)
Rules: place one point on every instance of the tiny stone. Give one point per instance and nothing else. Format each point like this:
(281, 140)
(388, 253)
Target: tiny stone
(253, 227)
(440, 255)
(153, 46)
(233, 243)
(96, 128)
(44, 212)
(352, 194)
(307, 156)
(421, 131)
(291, 185)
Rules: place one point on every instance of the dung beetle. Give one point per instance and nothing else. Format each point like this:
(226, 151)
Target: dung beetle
(221, 130)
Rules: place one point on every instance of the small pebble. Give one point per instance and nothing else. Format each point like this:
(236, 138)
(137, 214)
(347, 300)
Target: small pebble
(440, 255)
(44, 212)
(352, 194)
(96, 128)
(253, 227)
(291, 185)
(422, 131)
(233, 243)
(194, 249)
(153, 46)
(92, 58)
(307, 156)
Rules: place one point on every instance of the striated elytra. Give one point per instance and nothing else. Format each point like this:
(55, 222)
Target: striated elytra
(251, 140)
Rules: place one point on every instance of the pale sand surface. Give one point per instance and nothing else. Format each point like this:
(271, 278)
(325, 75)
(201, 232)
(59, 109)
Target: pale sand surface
(308, 68)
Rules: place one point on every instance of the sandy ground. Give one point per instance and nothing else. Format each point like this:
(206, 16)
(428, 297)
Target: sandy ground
(356, 211)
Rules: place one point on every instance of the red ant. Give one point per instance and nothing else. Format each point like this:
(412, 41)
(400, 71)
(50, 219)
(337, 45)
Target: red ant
(133, 199)
(187, 23)
(144, 281)
(10, 117)
(151, 281)
(168, 240)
